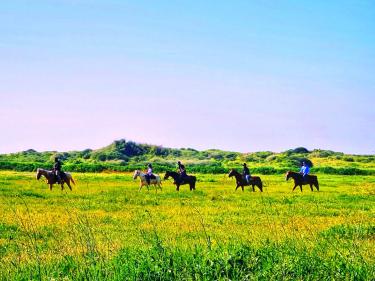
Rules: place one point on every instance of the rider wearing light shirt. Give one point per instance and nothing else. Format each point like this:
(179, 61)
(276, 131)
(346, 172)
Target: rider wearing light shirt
(148, 173)
(305, 170)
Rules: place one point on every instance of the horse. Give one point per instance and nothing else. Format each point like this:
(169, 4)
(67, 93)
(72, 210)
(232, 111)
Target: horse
(190, 180)
(52, 179)
(156, 181)
(255, 181)
(299, 180)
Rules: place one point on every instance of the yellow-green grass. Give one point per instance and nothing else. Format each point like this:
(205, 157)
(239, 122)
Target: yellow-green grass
(85, 233)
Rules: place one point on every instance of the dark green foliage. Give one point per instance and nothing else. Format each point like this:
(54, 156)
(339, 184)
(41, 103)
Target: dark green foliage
(298, 150)
(124, 155)
(344, 171)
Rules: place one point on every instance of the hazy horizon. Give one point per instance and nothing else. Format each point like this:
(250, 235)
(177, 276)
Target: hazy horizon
(238, 76)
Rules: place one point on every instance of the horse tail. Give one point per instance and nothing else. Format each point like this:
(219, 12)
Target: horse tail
(259, 183)
(71, 178)
(193, 182)
(317, 184)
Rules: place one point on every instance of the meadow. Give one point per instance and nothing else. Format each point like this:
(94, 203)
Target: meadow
(105, 229)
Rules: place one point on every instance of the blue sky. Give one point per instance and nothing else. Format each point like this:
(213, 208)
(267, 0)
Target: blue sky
(233, 75)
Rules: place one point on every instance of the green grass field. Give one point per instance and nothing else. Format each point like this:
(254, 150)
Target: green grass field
(106, 230)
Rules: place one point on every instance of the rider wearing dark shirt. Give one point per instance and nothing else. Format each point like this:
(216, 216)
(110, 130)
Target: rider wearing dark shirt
(182, 171)
(57, 169)
(246, 173)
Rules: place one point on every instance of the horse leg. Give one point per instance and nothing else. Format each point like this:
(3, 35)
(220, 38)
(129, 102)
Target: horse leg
(295, 187)
(243, 188)
(140, 187)
(300, 186)
(177, 187)
(62, 186)
(253, 188)
(311, 187)
(50, 186)
(317, 186)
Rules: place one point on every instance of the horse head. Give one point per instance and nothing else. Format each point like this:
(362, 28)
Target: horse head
(136, 174)
(167, 175)
(288, 175)
(38, 173)
(232, 172)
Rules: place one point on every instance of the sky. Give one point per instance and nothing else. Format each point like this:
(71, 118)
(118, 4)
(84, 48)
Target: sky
(234, 75)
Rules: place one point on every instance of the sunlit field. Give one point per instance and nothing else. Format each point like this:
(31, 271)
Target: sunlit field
(105, 229)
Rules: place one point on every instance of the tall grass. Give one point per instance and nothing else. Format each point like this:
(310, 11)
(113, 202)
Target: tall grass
(106, 230)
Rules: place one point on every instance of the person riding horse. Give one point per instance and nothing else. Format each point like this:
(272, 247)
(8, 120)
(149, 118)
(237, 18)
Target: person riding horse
(305, 170)
(149, 175)
(182, 171)
(57, 169)
(246, 173)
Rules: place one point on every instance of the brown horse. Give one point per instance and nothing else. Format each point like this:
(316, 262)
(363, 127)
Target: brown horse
(255, 181)
(299, 180)
(51, 178)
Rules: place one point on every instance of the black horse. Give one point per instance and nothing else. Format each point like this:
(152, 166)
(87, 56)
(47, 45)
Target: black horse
(190, 180)
(299, 180)
(255, 181)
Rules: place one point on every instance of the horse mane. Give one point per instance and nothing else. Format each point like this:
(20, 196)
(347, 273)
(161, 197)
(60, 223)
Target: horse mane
(235, 171)
(42, 170)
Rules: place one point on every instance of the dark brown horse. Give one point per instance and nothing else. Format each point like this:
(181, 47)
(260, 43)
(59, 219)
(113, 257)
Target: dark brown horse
(299, 180)
(190, 180)
(51, 178)
(255, 181)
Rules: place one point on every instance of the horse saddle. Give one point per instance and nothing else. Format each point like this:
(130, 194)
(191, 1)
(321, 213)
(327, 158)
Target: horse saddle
(152, 177)
(306, 181)
(250, 178)
(183, 180)
(62, 177)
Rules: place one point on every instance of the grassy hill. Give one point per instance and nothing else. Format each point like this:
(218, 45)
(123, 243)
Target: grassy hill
(122, 155)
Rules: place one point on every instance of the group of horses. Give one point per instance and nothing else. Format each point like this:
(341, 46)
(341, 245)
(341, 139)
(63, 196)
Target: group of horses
(299, 180)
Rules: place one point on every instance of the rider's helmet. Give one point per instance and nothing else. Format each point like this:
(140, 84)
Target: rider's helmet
(56, 159)
(244, 164)
(149, 165)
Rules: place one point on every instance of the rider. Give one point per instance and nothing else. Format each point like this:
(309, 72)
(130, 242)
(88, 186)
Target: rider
(246, 173)
(57, 169)
(182, 171)
(148, 174)
(305, 170)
